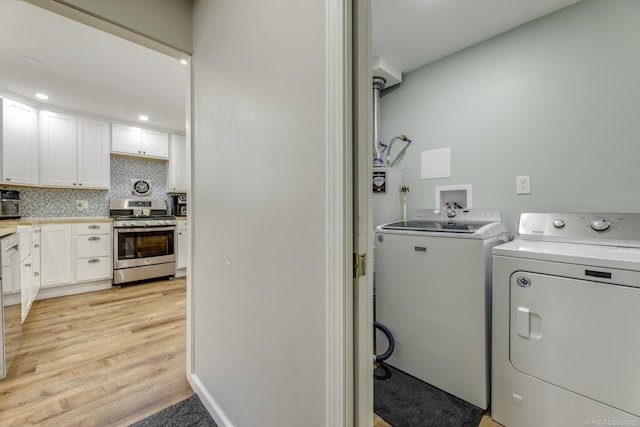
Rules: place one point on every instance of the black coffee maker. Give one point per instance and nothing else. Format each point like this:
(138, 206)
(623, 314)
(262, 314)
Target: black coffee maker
(179, 204)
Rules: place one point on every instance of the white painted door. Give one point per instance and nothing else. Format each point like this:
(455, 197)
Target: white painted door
(93, 154)
(19, 143)
(58, 147)
(361, 216)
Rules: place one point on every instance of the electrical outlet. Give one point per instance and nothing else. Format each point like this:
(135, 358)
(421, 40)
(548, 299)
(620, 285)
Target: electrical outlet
(523, 184)
(82, 205)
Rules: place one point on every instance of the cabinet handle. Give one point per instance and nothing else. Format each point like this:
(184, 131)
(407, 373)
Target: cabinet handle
(94, 227)
(36, 230)
(7, 179)
(74, 183)
(28, 265)
(36, 274)
(80, 184)
(93, 260)
(36, 245)
(94, 238)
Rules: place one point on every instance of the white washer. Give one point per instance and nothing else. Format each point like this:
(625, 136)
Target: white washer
(433, 279)
(566, 322)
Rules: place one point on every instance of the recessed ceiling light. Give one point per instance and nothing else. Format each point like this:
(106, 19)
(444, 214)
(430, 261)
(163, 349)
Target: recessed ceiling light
(42, 96)
(183, 61)
(143, 117)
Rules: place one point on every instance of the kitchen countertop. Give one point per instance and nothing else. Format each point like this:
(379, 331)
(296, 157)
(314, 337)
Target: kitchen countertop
(52, 220)
(6, 230)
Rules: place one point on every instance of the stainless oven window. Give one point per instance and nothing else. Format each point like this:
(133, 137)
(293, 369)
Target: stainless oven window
(144, 243)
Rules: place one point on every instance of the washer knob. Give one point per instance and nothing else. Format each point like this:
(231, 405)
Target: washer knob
(451, 213)
(600, 224)
(558, 223)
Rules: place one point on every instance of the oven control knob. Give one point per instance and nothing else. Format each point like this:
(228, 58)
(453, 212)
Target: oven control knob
(558, 223)
(600, 224)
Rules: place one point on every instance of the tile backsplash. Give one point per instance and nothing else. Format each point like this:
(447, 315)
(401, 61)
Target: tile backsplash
(45, 202)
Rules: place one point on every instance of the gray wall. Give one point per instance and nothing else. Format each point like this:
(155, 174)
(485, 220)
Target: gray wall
(556, 99)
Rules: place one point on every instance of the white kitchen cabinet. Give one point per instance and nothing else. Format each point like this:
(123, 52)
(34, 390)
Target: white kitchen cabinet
(19, 143)
(27, 294)
(94, 159)
(93, 252)
(29, 286)
(134, 141)
(35, 256)
(56, 257)
(178, 179)
(181, 261)
(74, 151)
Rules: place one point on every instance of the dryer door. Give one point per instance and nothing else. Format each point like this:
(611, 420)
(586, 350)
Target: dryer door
(580, 335)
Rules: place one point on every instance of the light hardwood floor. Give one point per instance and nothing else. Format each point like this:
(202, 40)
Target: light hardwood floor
(106, 358)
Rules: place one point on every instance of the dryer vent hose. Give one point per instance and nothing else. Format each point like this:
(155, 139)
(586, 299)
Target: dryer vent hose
(384, 356)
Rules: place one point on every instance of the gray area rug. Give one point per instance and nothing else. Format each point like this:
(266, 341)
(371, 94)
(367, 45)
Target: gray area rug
(188, 413)
(405, 401)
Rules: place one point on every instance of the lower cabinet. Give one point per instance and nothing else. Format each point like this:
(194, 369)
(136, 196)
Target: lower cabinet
(75, 253)
(181, 261)
(93, 252)
(55, 255)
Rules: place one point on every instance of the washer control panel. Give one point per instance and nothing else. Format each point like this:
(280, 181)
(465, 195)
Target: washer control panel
(590, 228)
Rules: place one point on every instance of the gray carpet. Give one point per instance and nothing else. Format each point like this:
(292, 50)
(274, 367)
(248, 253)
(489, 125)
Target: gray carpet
(188, 413)
(405, 401)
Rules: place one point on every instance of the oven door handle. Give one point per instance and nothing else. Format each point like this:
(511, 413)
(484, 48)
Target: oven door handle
(123, 230)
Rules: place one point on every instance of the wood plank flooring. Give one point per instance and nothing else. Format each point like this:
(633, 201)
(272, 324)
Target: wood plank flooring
(106, 358)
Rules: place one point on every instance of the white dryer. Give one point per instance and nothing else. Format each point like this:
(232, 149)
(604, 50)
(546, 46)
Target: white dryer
(433, 291)
(566, 322)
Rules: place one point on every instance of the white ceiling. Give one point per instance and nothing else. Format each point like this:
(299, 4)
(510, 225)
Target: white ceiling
(408, 34)
(87, 70)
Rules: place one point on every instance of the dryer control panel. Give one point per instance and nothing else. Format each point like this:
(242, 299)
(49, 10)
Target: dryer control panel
(608, 229)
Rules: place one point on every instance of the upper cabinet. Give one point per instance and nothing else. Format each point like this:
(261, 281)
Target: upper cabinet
(75, 151)
(178, 179)
(139, 142)
(19, 143)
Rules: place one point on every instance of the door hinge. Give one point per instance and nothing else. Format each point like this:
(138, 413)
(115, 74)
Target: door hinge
(359, 265)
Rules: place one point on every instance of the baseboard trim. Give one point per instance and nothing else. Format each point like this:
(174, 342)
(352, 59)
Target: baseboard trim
(214, 409)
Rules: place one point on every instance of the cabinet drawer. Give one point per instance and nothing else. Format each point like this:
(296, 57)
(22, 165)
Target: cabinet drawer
(93, 268)
(93, 245)
(93, 228)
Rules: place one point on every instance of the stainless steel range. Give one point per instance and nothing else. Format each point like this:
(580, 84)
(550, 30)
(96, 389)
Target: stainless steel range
(144, 240)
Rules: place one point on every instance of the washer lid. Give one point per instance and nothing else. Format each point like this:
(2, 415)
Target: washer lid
(419, 225)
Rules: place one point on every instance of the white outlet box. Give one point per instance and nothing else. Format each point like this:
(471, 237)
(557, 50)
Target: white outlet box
(523, 184)
(82, 205)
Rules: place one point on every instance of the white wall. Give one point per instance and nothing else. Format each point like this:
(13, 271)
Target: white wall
(556, 99)
(259, 202)
(167, 21)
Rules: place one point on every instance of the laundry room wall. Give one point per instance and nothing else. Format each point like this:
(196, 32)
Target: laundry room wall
(556, 99)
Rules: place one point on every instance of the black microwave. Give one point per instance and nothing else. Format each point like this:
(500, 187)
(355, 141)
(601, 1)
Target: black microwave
(9, 204)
